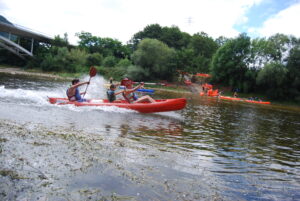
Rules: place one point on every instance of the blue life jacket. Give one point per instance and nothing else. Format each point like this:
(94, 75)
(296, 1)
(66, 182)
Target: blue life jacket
(111, 95)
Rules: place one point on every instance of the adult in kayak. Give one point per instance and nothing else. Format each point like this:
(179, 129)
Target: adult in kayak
(128, 84)
(73, 91)
(131, 98)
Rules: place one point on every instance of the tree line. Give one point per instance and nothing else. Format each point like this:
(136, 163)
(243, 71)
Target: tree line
(262, 65)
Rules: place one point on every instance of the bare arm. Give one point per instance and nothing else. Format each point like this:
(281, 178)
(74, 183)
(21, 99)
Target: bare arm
(78, 85)
(117, 93)
(134, 89)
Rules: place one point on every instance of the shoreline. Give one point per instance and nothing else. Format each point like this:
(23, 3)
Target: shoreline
(194, 89)
(20, 71)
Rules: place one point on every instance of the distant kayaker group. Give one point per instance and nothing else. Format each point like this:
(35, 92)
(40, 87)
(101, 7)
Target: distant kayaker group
(207, 89)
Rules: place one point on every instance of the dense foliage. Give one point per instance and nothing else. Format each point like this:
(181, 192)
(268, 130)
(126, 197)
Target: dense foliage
(269, 66)
(155, 58)
(263, 65)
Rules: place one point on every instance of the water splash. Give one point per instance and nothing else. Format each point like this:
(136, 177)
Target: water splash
(38, 96)
(26, 96)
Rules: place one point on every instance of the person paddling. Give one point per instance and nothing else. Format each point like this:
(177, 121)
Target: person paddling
(128, 85)
(73, 91)
(130, 98)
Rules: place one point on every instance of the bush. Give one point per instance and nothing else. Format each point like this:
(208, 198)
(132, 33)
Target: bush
(94, 59)
(60, 59)
(116, 72)
(110, 61)
(155, 58)
(102, 70)
(272, 80)
(124, 63)
(137, 73)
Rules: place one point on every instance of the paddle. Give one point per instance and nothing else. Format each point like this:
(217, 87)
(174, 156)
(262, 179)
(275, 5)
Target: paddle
(93, 72)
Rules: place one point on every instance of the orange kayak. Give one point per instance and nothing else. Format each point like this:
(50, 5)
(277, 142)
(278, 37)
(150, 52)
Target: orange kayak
(163, 105)
(259, 102)
(230, 98)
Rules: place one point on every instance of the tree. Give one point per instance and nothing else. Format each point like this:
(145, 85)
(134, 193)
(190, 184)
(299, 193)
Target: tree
(203, 48)
(124, 63)
(231, 61)
(94, 59)
(61, 42)
(272, 79)
(156, 58)
(172, 36)
(110, 61)
(104, 46)
(293, 76)
(221, 40)
(153, 31)
(203, 45)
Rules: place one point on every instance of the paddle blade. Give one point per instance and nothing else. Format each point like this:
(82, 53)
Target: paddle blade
(93, 71)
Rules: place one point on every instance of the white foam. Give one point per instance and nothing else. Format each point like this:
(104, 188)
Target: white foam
(39, 97)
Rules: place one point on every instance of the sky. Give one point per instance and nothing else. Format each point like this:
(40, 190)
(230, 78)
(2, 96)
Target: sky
(121, 19)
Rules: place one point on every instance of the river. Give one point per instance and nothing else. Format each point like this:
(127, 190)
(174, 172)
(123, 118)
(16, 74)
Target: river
(211, 150)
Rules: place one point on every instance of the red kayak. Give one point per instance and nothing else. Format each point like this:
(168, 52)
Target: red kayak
(163, 105)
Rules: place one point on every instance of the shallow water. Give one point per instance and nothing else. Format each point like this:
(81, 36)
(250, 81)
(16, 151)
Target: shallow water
(211, 150)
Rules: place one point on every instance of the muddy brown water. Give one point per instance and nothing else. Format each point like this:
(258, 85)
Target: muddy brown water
(211, 150)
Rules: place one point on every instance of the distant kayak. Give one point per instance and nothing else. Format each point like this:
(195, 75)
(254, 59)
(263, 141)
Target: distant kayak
(163, 105)
(258, 102)
(230, 98)
(248, 101)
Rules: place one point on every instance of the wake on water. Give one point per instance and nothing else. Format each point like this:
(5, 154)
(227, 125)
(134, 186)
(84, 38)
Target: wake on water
(39, 95)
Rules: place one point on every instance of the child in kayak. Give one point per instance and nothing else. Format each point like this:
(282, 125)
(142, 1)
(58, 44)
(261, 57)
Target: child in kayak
(73, 91)
(111, 94)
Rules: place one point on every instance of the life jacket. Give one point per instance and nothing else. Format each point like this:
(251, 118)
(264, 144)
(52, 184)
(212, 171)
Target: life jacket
(131, 97)
(126, 98)
(111, 95)
(74, 97)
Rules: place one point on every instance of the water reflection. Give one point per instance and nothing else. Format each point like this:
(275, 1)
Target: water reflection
(251, 151)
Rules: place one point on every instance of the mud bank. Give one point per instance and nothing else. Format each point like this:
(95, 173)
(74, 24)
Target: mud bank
(41, 164)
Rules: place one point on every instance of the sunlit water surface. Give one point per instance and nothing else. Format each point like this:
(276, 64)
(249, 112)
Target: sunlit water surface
(212, 149)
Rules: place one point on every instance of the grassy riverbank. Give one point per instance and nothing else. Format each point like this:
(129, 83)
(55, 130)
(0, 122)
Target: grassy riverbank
(14, 70)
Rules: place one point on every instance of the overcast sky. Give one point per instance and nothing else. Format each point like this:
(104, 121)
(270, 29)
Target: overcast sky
(121, 19)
